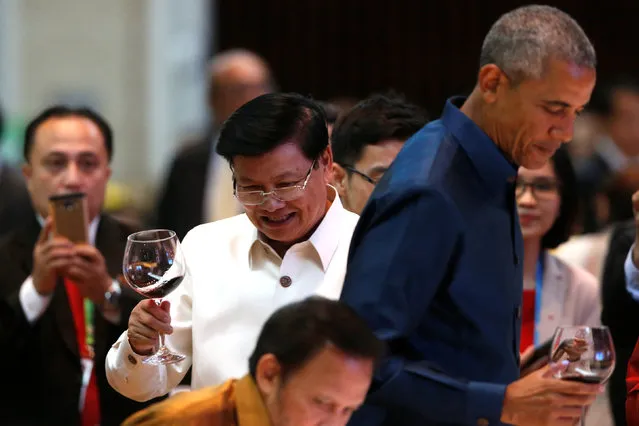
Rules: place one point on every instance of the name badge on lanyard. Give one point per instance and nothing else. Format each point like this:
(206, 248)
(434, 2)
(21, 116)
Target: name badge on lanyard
(539, 281)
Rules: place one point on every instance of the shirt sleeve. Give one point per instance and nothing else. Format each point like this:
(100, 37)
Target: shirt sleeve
(141, 382)
(632, 275)
(414, 244)
(33, 303)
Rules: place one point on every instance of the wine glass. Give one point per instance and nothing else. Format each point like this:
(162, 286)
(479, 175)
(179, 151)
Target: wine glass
(154, 266)
(583, 354)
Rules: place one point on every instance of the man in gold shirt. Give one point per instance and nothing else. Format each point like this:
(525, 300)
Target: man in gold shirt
(312, 365)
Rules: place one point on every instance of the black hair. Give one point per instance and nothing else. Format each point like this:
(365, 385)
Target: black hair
(270, 120)
(564, 225)
(63, 111)
(298, 331)
(371, 121)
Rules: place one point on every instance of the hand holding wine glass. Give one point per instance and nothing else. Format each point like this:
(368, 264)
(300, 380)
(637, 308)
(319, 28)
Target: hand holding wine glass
(153, 266)
(583, 354)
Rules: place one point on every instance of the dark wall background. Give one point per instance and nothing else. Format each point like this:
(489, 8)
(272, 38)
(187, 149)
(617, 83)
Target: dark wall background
(426, 49)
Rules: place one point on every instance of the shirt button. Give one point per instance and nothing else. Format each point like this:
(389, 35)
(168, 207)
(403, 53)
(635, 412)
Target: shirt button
(132, 359)
(519, 312)
(286, 281)
(482, 422)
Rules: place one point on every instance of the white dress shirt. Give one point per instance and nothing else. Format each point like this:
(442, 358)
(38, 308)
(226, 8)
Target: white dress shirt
(632, 275)
(33, 303)
(234, 282)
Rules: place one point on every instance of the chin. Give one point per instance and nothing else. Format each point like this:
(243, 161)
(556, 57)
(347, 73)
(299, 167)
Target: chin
(534, 162)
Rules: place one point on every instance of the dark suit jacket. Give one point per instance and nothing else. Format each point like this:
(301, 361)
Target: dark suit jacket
(41, 373)
(434, 268)
(620, 312)
(15, 204)
(181, 203)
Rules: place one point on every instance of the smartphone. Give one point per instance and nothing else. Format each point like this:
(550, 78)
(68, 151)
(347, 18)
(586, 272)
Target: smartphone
(70, 216)
(540, 351)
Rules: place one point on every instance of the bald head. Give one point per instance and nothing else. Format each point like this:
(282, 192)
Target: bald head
(236, 77)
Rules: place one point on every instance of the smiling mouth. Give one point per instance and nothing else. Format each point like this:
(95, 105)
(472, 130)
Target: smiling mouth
(277, 220)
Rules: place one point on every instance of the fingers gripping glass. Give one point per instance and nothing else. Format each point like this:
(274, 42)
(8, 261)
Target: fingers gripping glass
(154, 266)
(285, 193)
(583, 354)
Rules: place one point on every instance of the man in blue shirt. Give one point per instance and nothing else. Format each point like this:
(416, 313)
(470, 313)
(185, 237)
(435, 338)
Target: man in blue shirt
(435, 261)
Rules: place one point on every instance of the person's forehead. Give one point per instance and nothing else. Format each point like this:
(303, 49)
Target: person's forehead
(286, 159)
(380, 152)
(68, 134)
(564, 81)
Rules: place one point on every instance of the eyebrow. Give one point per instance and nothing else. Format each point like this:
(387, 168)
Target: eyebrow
(378, 169)
(245, 181)
(562, 104)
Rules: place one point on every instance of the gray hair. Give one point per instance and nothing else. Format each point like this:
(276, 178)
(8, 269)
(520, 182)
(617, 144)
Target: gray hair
(522, 40)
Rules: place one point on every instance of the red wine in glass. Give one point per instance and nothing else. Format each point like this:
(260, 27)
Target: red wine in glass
(583, 354)
(154, 266)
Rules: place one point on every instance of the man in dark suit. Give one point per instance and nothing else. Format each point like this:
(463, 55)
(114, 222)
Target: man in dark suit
(435, 265)
(15, 205)
(198, 188)
(60, 305)
(610, 174)
(620, 312)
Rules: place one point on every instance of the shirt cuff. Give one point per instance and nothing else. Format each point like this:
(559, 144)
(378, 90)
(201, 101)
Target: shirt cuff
(33, 303)
(485, 403)
(632, 275)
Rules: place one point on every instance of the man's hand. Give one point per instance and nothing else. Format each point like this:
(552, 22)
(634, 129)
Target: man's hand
(540, 400)
(635, 209)
(146, 321)
(87, 270)
(51, 257)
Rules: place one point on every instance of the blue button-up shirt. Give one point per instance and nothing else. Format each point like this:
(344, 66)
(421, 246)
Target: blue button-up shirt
(435, 269)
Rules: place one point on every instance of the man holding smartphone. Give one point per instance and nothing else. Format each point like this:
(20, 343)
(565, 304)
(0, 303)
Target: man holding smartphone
(60, 305)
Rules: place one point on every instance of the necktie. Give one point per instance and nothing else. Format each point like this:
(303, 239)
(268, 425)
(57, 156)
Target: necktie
(83, 321)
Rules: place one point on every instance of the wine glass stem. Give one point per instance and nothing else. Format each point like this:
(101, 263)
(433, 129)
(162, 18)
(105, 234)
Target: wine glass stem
(582, 421)
(161, 341)
(162, 347)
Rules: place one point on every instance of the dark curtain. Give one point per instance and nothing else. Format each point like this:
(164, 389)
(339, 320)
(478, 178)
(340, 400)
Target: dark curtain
(427, 50)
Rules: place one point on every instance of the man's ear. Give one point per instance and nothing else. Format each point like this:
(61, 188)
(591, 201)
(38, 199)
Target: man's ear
(339, 180)
(491, 78)
(268, 374)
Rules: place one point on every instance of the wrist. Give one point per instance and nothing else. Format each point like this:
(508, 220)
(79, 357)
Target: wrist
(112, 296)
(635, 255)
(41, 288)
(137, 351)
(506, 416)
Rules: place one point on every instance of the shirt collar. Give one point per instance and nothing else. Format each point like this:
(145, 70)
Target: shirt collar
(325, 238)
(251, 410)
(489, 160)
(93, 227)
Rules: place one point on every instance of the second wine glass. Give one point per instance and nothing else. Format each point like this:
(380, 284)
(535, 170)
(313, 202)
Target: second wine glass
(583, 354)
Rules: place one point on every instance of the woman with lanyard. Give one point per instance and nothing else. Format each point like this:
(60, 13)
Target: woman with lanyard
(555, 293)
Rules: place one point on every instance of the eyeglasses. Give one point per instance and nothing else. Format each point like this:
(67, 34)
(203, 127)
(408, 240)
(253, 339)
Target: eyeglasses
(364, 176)
(540, 188)
(285, 193)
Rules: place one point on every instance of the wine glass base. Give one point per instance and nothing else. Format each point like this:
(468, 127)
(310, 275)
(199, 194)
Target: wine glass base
(163, 357)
